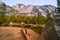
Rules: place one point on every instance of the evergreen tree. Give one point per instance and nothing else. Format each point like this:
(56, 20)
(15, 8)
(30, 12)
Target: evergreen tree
(2, 12)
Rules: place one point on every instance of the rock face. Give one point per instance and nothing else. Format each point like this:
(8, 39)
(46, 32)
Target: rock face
(14, 33)
(33, 9)
(50, 31)
(29, 10)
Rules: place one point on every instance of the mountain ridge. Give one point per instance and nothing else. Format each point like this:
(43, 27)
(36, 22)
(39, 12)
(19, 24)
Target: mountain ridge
(29, 10)
(21, 8)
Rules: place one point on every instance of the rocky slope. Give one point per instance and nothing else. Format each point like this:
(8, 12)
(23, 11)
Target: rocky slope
(16, 33)
(29, 10)
(33, 9)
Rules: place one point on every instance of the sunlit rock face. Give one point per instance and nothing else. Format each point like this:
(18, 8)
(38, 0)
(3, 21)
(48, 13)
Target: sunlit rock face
(34, 9)
(14, 33)
(30, 10)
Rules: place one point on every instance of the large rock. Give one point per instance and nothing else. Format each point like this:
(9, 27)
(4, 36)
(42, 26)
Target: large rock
(14, 33)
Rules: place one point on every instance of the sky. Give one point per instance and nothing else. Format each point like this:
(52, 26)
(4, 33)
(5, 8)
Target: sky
(31, 2)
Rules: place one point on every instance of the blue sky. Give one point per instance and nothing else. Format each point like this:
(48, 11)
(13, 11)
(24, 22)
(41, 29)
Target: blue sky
(33, 2)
